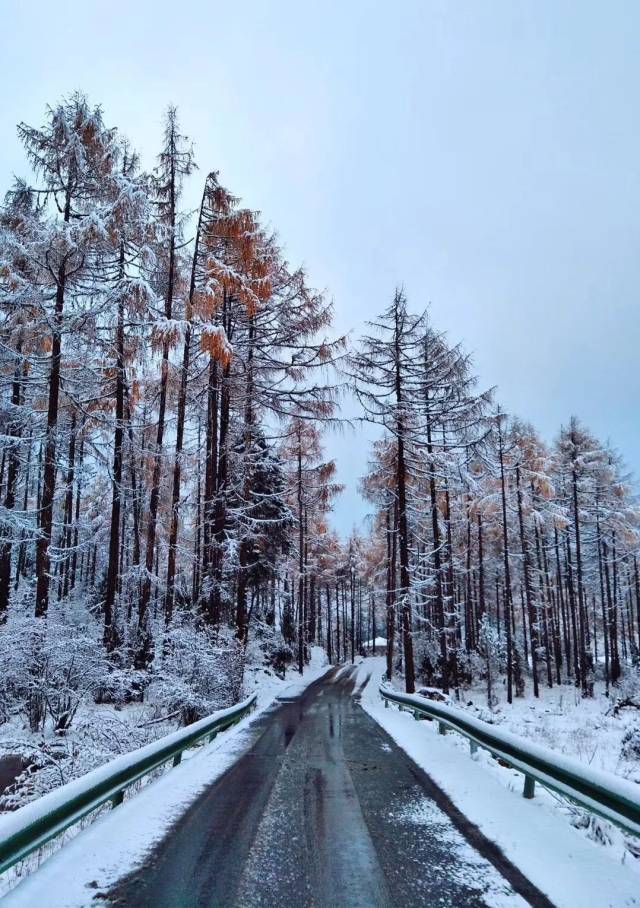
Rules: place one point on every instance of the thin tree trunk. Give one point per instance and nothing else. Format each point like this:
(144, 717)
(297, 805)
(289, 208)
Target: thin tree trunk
(531, 607)
(507, 573)
(182, 406)
(49, 469)
(154, 497)
(109, 636)
(6, 544)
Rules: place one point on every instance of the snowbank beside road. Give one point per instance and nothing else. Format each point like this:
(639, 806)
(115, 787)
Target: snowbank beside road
(565, 865)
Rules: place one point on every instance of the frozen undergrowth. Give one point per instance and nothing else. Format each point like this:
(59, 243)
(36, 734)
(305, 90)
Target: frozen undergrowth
(592, 731)
(563, 720)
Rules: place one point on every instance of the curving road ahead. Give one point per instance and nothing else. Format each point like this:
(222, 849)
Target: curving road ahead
(325, 810)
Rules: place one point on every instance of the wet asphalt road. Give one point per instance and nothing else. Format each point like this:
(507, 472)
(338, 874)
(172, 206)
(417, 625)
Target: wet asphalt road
(325, 810)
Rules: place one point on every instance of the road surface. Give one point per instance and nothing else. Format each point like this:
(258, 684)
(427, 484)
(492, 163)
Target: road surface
(325, 810)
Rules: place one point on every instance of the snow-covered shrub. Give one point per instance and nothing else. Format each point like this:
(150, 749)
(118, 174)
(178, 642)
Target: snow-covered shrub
(198, 672)
(432, 693)
(281, 658)
(492, 650)
(597, 829)
(267, 647)
(287, 624)
(121, 685)
(630, 747)
(15, 682)
(627, 693)
(426, 655)
(50, 667)
(97, 737)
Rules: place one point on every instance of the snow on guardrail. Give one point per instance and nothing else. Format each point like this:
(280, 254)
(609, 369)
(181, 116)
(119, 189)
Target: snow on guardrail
(600, 792)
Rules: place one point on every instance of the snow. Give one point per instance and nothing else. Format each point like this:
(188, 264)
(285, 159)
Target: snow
(566, 722)
(571, 869)
(543, 755)
(535, 835)
(118, 840)
(267, 685)
(468, 865)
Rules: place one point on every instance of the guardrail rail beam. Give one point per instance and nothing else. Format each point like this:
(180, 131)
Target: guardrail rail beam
(599, 792)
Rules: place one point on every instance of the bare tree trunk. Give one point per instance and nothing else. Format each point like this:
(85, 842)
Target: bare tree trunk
(109, 637)
(391, 585)
(76, 519)
(301, 616)
(49, 469)
(507, 573)
(142, 656)
(531, 608)
(67, 533)
(437, 559)
(329, 632)
(403, 530)
(182, 406)
(585, 659)
(6, 543)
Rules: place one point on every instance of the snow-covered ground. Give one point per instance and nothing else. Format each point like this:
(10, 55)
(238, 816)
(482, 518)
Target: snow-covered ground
(94, 857)
(538, 836)
(268, 685)
(565, 721)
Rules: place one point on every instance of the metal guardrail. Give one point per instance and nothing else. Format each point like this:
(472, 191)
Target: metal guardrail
(602, 793)
(33, 825)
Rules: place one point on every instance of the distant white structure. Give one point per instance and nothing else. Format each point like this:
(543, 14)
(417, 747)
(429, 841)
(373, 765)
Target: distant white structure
(380, 644)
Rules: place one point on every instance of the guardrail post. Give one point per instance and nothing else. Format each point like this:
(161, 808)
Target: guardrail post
(177, 759)
(442, 728)
(416, 714)
(212, 736)
(118, 798)
(386, 703)
(529, 787)
(473, 747)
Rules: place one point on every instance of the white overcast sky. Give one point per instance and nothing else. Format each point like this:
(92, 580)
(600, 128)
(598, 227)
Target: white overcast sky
(484, 154)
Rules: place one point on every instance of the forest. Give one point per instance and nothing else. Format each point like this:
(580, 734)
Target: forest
(168, 384)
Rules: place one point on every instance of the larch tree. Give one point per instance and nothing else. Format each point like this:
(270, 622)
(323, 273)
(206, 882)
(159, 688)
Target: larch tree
(381, 368)
(175, 163)
(73, 154)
